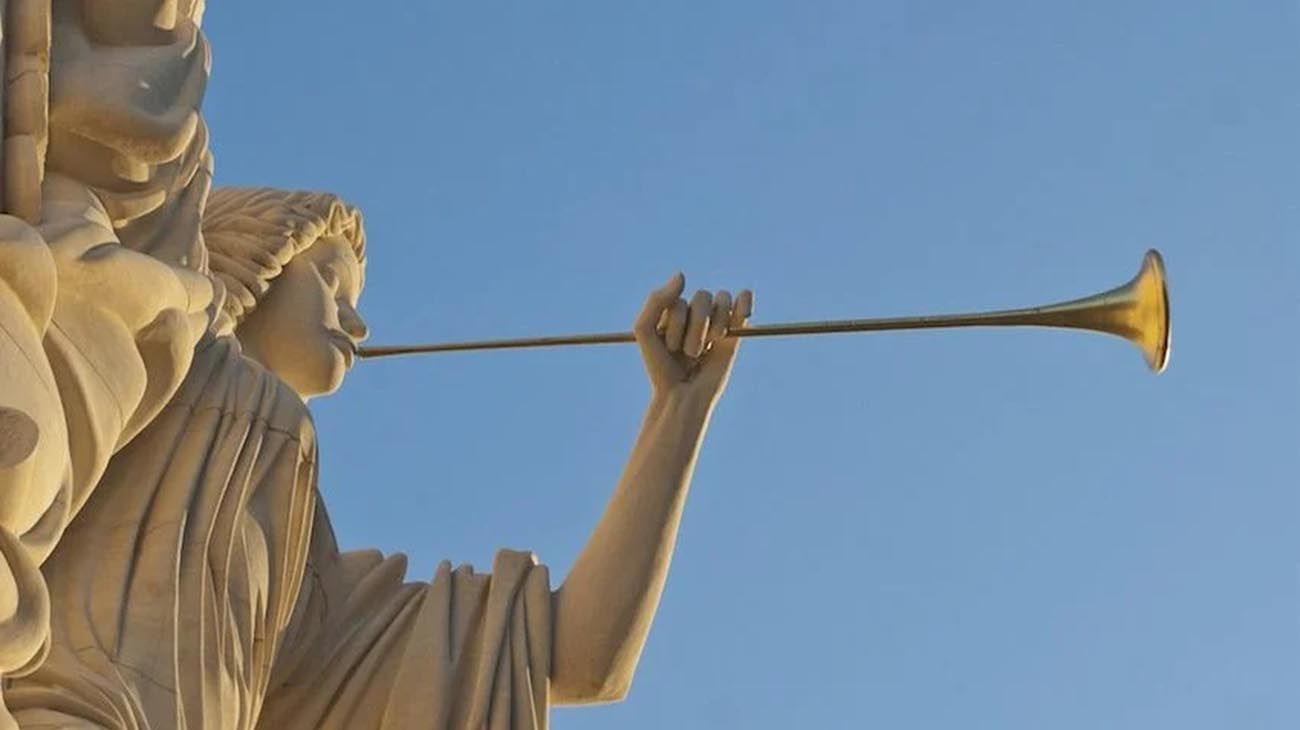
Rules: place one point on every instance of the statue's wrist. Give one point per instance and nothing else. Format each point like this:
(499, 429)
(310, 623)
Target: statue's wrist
(686, 398)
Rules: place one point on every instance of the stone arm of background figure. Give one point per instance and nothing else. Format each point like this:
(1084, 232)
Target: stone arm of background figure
(604, 608)
(105, 155)
(94, 338)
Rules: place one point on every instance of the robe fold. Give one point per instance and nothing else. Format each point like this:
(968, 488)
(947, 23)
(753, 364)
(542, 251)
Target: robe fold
(201, 588)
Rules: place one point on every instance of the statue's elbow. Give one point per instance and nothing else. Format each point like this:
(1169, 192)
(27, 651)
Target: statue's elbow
(593, 662)
(590, 689)
(590, 674)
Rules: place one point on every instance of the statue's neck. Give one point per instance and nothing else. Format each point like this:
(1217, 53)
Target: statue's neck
(232, 343)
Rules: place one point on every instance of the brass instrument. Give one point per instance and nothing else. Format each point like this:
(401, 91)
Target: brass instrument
(1137, 311)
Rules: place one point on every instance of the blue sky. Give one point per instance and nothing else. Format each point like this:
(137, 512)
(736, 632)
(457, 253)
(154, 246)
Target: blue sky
(997, 529)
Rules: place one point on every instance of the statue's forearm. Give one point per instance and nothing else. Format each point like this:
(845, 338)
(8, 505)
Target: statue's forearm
(604, 609)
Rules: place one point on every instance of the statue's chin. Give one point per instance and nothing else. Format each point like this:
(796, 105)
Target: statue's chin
(334, 384)
(314, 382)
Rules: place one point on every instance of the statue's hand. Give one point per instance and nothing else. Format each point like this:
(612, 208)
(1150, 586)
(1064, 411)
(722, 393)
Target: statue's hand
(685, 345)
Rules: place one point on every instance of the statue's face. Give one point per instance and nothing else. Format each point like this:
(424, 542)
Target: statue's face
(306, 328)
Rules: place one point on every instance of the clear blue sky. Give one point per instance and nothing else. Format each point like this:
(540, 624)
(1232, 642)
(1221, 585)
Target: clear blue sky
(1010, 530)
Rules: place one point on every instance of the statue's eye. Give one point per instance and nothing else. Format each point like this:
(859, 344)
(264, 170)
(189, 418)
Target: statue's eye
(330, 278)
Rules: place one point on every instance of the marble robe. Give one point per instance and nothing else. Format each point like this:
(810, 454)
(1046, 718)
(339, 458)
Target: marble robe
(201, 588)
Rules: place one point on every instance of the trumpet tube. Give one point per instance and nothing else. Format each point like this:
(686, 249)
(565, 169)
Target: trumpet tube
(1137, 311)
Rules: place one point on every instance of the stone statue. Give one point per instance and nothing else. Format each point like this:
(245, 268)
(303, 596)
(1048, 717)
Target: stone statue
(165, 560)
(95, 336)
(94, 339)
(201, 585)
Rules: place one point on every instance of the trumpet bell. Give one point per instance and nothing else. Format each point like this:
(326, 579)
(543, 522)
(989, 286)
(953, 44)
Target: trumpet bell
(1137, 311)
(1151, 312)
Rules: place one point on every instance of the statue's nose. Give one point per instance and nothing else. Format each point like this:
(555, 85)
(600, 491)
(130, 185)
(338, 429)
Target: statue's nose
(352, 323)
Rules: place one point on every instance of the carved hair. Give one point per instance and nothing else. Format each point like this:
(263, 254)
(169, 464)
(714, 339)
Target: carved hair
(253, 233)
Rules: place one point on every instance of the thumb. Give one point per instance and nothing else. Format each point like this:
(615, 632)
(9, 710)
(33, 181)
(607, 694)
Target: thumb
(670, 291)
(659, 300)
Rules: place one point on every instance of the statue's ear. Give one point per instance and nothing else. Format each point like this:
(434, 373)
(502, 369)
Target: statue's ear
(25, 29)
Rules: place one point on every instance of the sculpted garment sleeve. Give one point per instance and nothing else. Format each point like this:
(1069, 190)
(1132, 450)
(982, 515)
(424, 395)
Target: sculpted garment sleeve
(94, 338)
(35, 480)
(366, 650)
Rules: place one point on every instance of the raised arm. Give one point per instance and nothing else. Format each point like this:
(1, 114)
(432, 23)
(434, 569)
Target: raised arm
(605, 606)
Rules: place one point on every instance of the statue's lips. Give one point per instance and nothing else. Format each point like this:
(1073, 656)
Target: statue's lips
(345, 344)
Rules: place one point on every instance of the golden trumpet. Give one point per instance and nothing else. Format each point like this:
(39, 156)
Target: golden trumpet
(1137, 311)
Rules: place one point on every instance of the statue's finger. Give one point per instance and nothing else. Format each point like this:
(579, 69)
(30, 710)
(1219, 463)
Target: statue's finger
(676, 331)
(743, 309)
(720, 320)
(697, 325)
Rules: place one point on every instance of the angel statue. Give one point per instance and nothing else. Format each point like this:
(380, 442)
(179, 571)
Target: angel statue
(165, 559)
(201, 585)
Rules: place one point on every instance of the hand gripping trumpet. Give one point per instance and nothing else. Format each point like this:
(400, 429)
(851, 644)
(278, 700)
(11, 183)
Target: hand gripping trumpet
(1137, 311)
